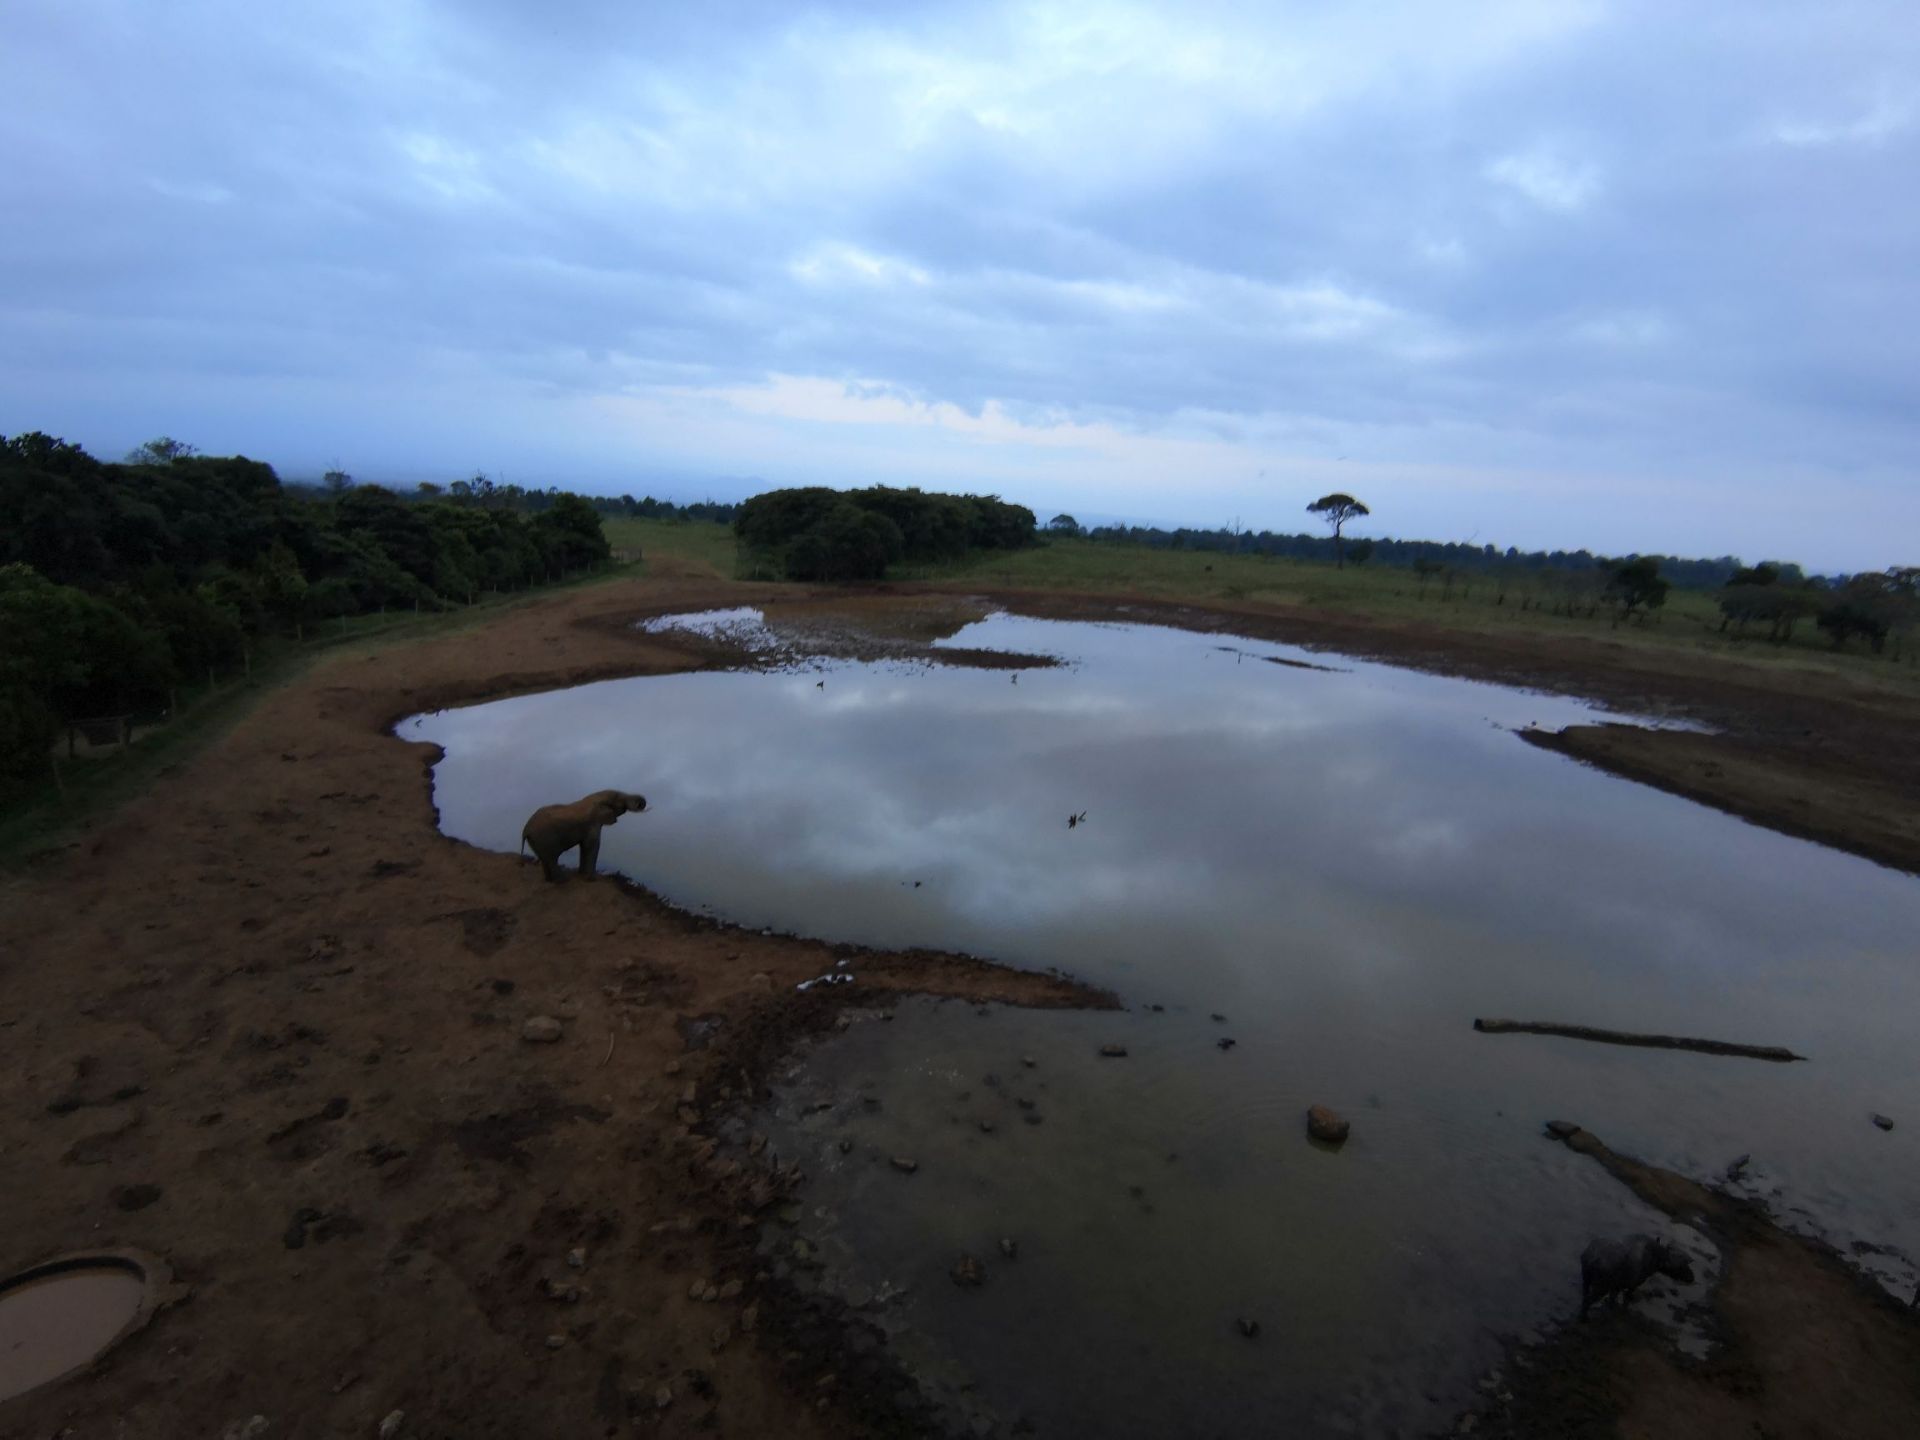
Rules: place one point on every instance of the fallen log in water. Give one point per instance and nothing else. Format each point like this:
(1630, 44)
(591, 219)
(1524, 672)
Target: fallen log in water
(1623, 1037)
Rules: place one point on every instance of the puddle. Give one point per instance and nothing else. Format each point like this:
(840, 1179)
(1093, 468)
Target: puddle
(51, 1324)
(1346, 865)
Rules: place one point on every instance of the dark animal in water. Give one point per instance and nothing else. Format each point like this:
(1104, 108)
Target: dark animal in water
(1618, 1267)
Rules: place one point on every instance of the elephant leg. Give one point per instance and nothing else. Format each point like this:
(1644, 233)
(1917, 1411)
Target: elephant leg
(589, 854)
(549, 859)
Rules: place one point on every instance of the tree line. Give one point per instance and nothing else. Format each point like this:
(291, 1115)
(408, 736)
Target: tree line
(818, 534)
(119, 581)
(482, 492)
(1461, 558)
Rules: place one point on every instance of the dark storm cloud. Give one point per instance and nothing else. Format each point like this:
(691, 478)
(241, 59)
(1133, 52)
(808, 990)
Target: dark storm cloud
(1610, 274)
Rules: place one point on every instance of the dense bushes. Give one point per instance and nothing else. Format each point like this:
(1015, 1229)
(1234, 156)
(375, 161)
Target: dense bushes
(814, 533)
(1872, 605)
(119, 581)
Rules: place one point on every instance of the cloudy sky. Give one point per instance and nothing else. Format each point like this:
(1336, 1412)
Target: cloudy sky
(1616, 275)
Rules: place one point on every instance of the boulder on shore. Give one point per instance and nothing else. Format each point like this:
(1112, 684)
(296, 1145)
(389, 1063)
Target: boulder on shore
(1327, 1126)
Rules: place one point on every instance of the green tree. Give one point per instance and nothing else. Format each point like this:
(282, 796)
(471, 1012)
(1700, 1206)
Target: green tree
(1063, 525)
(161, 450)
(1338, 510)
(1637, 584)
(846, 543)
(1360, 551)
(65, 654)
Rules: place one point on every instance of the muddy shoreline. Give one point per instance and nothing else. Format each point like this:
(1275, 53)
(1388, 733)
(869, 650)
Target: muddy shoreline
(278, 935)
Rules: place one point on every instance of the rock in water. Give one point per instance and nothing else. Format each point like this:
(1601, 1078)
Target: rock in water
(1323, 1124)
(541, 1030)
(1883, 1122)
(968, 1271)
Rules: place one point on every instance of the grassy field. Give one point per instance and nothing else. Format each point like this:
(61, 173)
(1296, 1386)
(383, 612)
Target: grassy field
(700, 542)
(1689, 622)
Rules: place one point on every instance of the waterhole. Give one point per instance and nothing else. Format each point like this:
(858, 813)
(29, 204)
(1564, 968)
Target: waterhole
(1336, 869)
(54, 1322)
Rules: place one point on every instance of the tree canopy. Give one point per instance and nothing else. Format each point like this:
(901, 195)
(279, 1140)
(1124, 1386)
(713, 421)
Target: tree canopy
(816, 533)
(120, 580)
(1338, 509)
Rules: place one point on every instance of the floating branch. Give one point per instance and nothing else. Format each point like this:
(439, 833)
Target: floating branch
(1622, 1037)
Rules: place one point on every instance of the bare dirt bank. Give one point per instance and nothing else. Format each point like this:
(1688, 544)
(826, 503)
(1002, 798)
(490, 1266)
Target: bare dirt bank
(265, 1021)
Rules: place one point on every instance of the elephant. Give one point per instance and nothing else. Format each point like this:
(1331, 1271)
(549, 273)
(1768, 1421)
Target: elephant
(552, 830)
(1618, 1267)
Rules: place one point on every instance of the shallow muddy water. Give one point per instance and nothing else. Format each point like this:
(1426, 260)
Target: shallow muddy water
(51, 1324)
(1347, 865)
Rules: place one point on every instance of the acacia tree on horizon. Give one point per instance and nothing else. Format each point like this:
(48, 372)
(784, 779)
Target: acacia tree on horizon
(1337, 509)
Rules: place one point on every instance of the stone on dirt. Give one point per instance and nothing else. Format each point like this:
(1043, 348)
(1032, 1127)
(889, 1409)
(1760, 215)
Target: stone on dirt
(390, 1426)
(1114, 1052)
(1009, 1247)
(968, 1271)
(541, 1030)
(904, 1165)
(1882, 1121)
(1325, 1125)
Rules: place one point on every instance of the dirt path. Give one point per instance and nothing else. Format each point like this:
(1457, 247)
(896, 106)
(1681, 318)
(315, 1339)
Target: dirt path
(266, 1021)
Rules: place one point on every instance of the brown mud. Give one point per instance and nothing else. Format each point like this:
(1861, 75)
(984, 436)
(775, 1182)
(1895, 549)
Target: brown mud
(265, 1021)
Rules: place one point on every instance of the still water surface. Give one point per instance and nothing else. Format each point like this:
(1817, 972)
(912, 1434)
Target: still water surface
(1348, 865)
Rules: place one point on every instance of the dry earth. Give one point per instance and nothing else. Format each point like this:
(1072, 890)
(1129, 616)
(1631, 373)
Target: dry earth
(266, 1022)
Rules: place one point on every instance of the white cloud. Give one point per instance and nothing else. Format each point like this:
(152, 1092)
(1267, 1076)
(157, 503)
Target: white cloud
(1885, 118)
(1549, 180)
(1625, 329)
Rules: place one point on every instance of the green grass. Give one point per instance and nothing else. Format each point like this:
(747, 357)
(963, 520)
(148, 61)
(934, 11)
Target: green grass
(701, 542)
(1688, 623)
